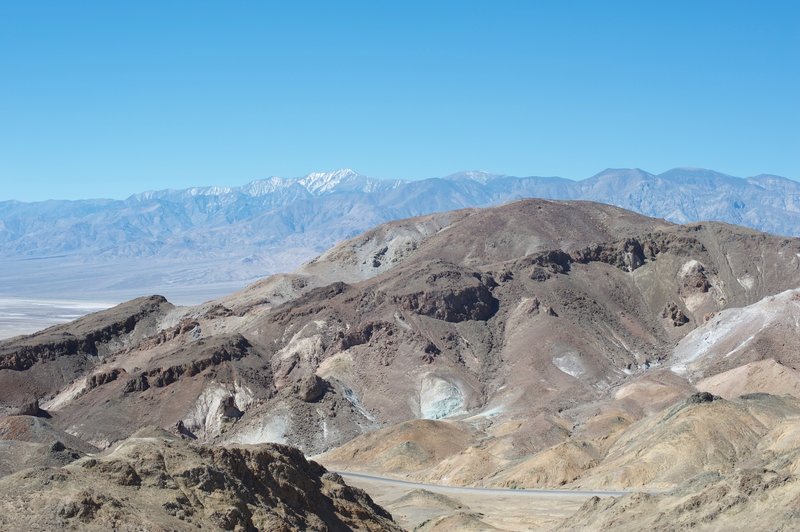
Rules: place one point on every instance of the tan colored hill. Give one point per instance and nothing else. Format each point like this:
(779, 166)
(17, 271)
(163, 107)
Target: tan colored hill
(756, 499)
(153, 481)
(764, 376)
(466, 521)
(699, 435)
(403, 449)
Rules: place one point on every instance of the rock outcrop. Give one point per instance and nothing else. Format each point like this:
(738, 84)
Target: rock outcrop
(90, 335)
(154, 481)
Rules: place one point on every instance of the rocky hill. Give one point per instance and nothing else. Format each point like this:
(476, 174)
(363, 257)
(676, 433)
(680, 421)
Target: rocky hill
(536, 344)
(155, 481)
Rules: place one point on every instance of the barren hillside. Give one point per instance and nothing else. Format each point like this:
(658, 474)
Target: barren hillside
(537, 344)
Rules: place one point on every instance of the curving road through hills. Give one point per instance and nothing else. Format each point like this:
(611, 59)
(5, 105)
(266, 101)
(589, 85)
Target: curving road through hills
(438, 488)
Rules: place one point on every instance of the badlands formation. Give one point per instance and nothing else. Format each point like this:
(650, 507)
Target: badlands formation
(540, 344)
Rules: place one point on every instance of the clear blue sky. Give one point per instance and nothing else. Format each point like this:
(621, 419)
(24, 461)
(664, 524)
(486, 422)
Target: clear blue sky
(109, 98)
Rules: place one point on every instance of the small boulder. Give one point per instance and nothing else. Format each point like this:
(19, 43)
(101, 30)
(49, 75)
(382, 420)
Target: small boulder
(702, 397)
(310, 388)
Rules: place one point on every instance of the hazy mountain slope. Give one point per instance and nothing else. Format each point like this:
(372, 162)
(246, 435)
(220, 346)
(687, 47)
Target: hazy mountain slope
(194, 221)
(172, 241)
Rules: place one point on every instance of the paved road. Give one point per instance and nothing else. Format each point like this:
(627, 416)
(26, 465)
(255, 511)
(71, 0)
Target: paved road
(483, 491)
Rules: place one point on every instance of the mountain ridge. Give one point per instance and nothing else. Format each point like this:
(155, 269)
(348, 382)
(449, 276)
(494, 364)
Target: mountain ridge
(322, 182)
(170, 240)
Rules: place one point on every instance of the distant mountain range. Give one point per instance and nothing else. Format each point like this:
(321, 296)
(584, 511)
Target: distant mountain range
(233, 235)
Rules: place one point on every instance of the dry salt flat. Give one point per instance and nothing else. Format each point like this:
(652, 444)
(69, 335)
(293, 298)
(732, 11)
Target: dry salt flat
(25, 316)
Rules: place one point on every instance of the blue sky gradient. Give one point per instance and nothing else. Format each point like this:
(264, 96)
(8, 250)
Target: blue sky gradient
(106, 99)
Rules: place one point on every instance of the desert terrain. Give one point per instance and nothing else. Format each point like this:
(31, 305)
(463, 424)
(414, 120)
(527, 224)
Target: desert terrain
(637, 372)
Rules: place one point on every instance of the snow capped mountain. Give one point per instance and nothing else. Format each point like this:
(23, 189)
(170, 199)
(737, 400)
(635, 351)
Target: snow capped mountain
(315, 183)
(208, 191)
(262, 187)
(321, 182)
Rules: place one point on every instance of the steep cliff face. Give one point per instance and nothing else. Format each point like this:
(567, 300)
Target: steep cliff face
(42, 364)
(94, 336)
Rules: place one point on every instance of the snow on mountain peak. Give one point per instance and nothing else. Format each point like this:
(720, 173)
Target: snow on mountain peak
(321, 182)
(262, 187)
(208, 191)
(180, 193)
